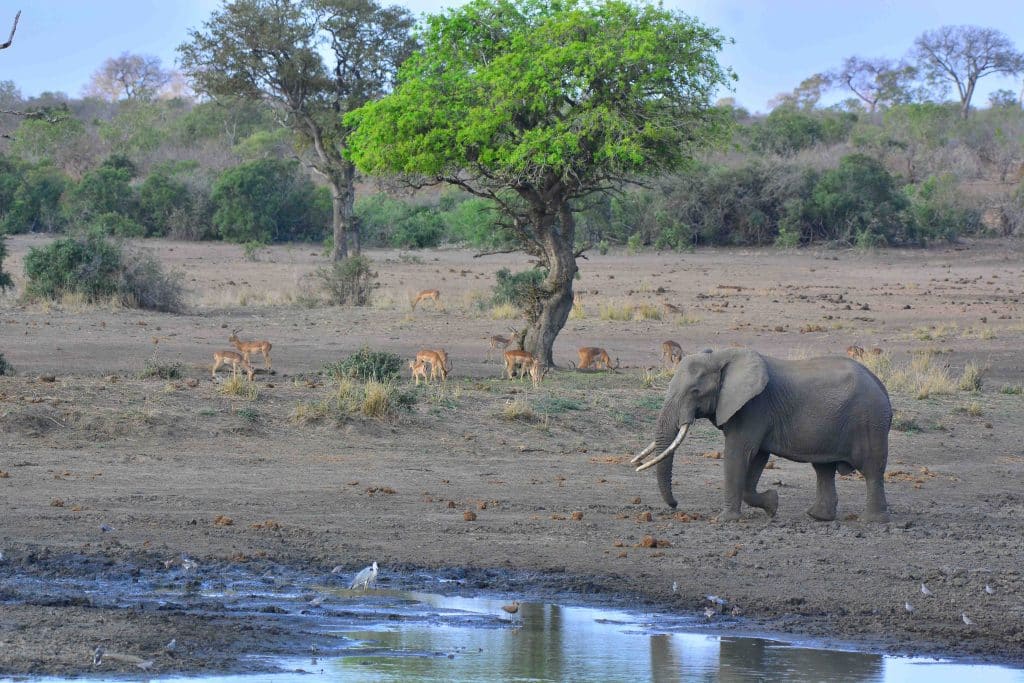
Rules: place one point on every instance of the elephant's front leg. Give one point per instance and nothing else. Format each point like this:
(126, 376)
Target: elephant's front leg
(738, 459)
(767, 500)
(824, 507)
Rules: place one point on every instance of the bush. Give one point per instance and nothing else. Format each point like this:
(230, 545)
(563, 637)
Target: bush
(858, 196)
(35, 202)
(366, 365)
(116, 224)
(145, 284)
(517, 289)
(939, 211)
(156, 369)
(268, 201)
(5, 278)
(98, 269)
(88, 265)
(101, 192)
(161, 197)
(348, 281)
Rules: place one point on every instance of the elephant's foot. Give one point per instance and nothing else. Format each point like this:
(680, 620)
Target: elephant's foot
(876, 516)
(822, 512)
(770, 502)
(729, 515)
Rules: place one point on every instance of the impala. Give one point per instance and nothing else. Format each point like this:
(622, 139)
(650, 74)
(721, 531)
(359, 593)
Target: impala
(537, 372)
(232, 358)
(497, 343)
(419, 369)
(249, 347)
(671, 351)
(438, 362)
(434, 294)
(524, 360)
(596, 356)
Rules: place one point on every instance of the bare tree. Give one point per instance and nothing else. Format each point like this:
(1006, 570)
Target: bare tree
(131, 77)
(10, 38)
(877, 81)
(965, 54)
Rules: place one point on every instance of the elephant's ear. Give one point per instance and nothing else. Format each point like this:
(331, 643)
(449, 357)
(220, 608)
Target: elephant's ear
(744, 376)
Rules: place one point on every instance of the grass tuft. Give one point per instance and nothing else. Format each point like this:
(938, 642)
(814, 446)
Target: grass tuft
(240, 386)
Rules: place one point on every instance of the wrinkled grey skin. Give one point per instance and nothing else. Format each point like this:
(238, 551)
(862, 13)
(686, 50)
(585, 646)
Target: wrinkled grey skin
(830, 412)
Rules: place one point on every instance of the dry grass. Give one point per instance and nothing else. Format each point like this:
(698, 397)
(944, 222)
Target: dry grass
(505, 312)
(374, 399)
(578, 312)
(921, 377)
(973, 409)
(936, 332)
(647, 312)
(518, 409)
(241, 387)
(981, 332)
(615, 311)
(971, 379)
(685, 320)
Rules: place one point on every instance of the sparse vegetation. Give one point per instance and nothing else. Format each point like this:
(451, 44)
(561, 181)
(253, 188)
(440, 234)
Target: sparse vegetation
(158, 369)
(240, 387)
(366, 365)
(348, 282)
(647, 312)
(1013, 389)
(518, 409)
(901, 422)
(971, 379)
(615, 311)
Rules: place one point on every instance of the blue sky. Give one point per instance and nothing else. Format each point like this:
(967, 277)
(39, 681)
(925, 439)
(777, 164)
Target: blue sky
(778, 42)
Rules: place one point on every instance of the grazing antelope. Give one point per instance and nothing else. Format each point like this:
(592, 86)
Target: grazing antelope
(419, 369)
(233, 359)
(537, 372)
(438, 362)
(596, 356)
(497, 343)
(523, 360)
(671, 351)
(434, 294)
(855, 352)
(251, 347)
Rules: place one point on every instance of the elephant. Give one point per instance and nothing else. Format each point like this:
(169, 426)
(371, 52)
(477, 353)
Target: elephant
(831, 412)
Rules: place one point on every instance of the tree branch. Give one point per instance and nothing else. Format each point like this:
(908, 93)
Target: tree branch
(10, 38)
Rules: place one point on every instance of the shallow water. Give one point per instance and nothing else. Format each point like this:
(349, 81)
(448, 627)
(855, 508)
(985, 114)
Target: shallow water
(399, 635)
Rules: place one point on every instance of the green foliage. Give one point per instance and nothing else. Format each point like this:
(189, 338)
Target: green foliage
(787, 130)
(163, 199)
(860, 195)
(96, 268)
(366, 364)
(103, 192)
(35, 200)
(348, 281)
(939, 211)
(87, 265)
(519, 289)
(267, 201)
(5, 278)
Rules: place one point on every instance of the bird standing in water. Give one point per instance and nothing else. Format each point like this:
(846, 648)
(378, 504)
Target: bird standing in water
(511, 609)
(366, 578)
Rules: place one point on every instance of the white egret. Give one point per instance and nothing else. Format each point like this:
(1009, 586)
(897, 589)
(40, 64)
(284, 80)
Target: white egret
(366, 578)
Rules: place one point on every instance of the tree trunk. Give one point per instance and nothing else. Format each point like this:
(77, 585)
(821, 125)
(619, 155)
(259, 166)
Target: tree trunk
(558, 239)
(343, 195)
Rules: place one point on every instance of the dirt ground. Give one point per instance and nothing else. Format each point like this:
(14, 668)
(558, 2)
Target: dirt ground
(179, 467)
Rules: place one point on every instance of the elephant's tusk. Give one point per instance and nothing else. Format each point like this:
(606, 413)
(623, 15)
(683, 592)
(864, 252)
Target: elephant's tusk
(671, 447)
(640, 456)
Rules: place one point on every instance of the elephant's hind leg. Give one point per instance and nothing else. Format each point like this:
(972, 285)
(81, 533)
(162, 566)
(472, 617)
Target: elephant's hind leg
(873, 469)
(824, 507)
(766, 500)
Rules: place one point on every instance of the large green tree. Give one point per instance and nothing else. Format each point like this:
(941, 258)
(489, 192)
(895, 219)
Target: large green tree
(538, 104)
(274, 51)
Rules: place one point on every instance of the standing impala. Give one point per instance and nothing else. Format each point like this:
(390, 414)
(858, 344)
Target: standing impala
(672, 352)
(434, 294)
(438, 360)
(523, 360)
(249, 347)
(234, 360)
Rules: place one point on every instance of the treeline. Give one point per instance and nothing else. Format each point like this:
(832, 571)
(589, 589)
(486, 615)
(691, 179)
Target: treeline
(908, 174)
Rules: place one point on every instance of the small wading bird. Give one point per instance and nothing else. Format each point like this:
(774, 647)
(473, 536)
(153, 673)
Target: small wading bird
(907, 606)
(967, 619)
(366, 578)
(511, 608)
(925, 589)
(988, 588)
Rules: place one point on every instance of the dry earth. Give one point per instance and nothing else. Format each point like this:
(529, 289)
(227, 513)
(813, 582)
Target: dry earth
(160, 461)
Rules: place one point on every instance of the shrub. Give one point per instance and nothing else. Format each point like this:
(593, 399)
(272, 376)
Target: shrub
(518, 289)
(96, 269)
(366, 365)
(161, 200)
(35, 201)
(156, 369)
(266, 201)
(5, 278)
(116, 224)
(859, 195)
(103, 191)
(87, 265)
(145, 284)
(939, 212)
(348, 281)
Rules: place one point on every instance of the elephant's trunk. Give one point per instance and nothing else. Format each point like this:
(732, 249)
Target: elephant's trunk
(664, 472)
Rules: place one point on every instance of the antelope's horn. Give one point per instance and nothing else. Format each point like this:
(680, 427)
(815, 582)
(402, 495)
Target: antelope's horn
(665, 453)
(640, 456)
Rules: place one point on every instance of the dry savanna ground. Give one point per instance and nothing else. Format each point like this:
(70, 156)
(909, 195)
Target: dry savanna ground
(488, 474)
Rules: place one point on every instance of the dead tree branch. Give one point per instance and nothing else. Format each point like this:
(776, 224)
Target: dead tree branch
(10, 38)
